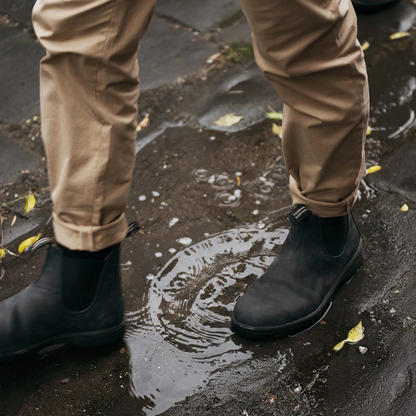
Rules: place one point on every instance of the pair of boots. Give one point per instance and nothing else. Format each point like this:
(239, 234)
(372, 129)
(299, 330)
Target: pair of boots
(77, 297)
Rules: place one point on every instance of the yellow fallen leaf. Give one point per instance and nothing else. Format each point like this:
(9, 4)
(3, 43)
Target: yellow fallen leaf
(2, 253)
(405, 208)
(238, 181)
(144, 123)
(277, 130)
(30, 203)
(356, 334)
(28, 242)
(399, 35)
(372, 169)
(228, 120)
(368, 131)
(214, 57)
(365, 46)
(275, 115)
(14, 220)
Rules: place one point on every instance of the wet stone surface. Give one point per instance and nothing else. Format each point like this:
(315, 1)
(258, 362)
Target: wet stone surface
(19, 74)
(204, 16)
(212, 206)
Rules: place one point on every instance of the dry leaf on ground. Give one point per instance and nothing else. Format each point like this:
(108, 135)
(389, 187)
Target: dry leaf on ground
(228, 120)
(144, 123)
(399, 35)
(365, 46)
(30, 203)
(28, 242)
(277, 130)
(275, 115)
(356, 334)
(372, 169)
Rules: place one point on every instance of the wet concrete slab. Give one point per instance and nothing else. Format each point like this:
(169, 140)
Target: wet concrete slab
(201, 16)
(14, 159)
(398, 174)
(243, 91)
(168, 52)
(19, 10)
(19, 75)
(239, 33)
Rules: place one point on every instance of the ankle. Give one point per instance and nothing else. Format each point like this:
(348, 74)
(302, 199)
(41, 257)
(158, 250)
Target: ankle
(334, 234)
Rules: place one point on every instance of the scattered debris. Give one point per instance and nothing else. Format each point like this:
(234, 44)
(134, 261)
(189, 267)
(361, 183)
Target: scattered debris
(405, 208)
(228, 120)
(365, 46)
(272, 399)
(14, 220)
(368, 132)
(372, 169)
(122, 351)
(277, 130)
(144, 123)
(275, 115)
(185, 241)
(30, 203)
(356, 334)
(28, 242)
(173, 221)
(362, 350)
(142, 198)
(399, 35)
(238, 178)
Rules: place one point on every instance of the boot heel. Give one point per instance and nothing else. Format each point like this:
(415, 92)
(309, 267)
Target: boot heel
(354, 266)
(94, 339)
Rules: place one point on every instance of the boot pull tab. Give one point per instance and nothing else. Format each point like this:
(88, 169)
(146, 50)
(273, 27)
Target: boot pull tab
(35, 247)
(134, 227)
(298, 214)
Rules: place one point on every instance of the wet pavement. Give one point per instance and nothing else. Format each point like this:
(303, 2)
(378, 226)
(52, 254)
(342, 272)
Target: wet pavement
(212, 204)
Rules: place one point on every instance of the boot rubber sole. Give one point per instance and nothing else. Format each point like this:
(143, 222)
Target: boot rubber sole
(301, 325)
(80, 339)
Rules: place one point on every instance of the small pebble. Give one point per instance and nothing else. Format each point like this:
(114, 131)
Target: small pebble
(185, 240)
(142, 198)
(173, 221)
(362, 350)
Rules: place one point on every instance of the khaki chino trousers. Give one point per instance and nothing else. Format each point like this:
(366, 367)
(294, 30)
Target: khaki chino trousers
(307, 49)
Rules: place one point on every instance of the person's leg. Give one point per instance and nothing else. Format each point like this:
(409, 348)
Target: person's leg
(309, 52)
(89, 92)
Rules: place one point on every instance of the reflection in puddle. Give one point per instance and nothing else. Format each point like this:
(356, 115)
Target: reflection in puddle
(182, 335)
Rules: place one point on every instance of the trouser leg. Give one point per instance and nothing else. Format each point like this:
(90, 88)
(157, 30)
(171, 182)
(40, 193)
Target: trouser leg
(309, 52)
(89, 92)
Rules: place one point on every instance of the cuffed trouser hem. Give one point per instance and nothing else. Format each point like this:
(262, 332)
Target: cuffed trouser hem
(90, 237)
(322, 209)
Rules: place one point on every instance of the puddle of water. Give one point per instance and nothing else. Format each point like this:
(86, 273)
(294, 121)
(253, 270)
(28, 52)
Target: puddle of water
(182, 335)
